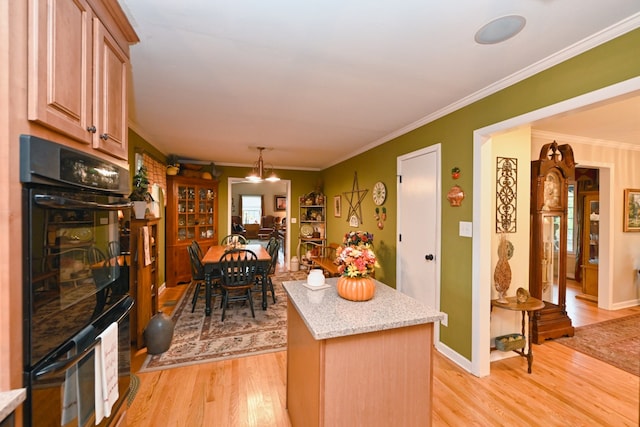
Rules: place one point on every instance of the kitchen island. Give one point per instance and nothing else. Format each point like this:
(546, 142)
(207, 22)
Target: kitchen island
(358, 363)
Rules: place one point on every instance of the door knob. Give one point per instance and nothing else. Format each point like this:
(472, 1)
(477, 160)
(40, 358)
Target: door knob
(429, 257)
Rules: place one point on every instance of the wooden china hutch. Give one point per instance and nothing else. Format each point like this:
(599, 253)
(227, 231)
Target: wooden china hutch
(192, 214)
(548, 253)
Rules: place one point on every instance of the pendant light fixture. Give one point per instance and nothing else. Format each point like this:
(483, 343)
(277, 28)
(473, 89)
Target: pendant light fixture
(259, 173)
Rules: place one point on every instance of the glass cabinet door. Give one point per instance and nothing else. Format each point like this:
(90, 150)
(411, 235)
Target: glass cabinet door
(593, 210)
(205, 218)
(186, 212)
(195, 212)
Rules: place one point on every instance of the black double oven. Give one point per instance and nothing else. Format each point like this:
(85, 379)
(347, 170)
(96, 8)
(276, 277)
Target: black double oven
(76, 280)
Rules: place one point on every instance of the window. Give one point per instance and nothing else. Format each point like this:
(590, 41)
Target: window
(571, 219)
(251, 209)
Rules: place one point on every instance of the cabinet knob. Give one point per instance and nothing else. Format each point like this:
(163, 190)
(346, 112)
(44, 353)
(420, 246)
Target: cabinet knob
(91, 129)
(429, 257)
(104, 136)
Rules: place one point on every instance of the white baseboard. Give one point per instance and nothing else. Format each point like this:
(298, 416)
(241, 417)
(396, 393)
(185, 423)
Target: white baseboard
(454, 356)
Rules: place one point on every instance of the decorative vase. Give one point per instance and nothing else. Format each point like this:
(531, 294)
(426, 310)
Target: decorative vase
(315, 277)
(140, 209)
(522, 295)
(502, 273)
(356, 288)
(158, 333)
(455, 196)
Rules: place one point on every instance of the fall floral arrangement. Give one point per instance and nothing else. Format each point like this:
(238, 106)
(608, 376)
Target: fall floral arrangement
(356, 258)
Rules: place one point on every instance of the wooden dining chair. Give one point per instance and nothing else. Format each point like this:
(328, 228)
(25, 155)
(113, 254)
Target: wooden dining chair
(195, 245)
(265, 273)
(238, 269)
(227, 240)
(114, 252)
(198, 277)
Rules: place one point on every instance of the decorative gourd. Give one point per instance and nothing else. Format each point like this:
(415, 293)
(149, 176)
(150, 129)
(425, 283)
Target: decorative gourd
(356, 288)
(502, 273)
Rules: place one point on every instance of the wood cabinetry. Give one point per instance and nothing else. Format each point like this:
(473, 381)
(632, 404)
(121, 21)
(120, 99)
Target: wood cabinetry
(313, 221)
(380, 378)
(192, 214)
(143, 275)
(78, 67)
(590, 246)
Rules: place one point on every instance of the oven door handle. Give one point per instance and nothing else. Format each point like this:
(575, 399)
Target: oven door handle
(65, 365)
(58, 202)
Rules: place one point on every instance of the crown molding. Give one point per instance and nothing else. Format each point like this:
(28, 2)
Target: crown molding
(626, 25)
(575, 139)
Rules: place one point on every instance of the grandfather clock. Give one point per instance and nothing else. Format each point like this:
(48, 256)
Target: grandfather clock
(548, 252)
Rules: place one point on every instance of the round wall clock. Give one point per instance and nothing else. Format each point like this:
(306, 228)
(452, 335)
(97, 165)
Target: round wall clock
(379, 193)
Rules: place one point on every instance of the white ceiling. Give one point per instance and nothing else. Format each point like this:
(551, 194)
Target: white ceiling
(317, 81)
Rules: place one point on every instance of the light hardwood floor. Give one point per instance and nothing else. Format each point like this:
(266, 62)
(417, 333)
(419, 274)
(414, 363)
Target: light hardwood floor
(566, 388)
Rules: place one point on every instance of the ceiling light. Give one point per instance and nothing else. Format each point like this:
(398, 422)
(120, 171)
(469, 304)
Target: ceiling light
(258, 173)
(500, 29)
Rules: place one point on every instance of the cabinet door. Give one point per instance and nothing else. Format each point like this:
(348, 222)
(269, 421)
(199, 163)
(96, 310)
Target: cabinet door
(206, 209)
(592, 230)
(187, 214)
(60, 64)
(178, 265)
(110, 100)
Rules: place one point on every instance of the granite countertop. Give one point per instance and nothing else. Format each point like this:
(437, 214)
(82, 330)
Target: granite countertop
(9, 401)
(327, 315)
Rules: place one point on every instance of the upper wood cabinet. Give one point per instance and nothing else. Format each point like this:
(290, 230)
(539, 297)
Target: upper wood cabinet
(78, 68)
(110, 101)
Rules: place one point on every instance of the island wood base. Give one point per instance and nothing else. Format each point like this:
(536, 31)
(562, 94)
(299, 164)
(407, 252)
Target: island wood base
(381, 378)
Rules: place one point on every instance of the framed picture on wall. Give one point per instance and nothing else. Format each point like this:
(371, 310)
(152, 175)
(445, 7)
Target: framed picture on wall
(631, 209)
(337, 206)
(280, 203)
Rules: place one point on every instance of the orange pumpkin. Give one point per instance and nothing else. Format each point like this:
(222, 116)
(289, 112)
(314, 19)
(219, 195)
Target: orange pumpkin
(356, 288)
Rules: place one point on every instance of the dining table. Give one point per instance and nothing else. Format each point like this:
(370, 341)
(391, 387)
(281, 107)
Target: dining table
(211, 262)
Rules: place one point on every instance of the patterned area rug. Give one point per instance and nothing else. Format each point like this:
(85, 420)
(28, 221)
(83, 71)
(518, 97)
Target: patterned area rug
(616, 342)
(198, 338)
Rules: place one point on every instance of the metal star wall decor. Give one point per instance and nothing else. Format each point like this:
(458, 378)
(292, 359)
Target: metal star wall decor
(355, 198)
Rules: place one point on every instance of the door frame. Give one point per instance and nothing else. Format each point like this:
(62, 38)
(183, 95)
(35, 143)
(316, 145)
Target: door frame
(234, 180)
(482, 216)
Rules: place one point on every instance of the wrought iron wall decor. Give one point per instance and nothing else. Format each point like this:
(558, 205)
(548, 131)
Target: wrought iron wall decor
(506, 192)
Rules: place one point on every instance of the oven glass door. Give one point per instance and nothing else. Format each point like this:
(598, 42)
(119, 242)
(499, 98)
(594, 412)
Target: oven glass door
(75, 266)
(62, 387)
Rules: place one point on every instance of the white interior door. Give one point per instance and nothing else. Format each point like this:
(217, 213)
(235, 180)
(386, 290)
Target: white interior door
(418, 269)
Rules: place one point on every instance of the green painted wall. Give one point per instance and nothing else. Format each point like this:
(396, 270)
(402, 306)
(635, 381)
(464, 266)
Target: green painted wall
(613, 62)
(139, 144)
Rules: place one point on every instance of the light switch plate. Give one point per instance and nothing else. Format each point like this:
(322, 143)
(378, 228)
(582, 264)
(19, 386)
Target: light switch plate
(445, 321)
(466, 229)
(294, 220)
